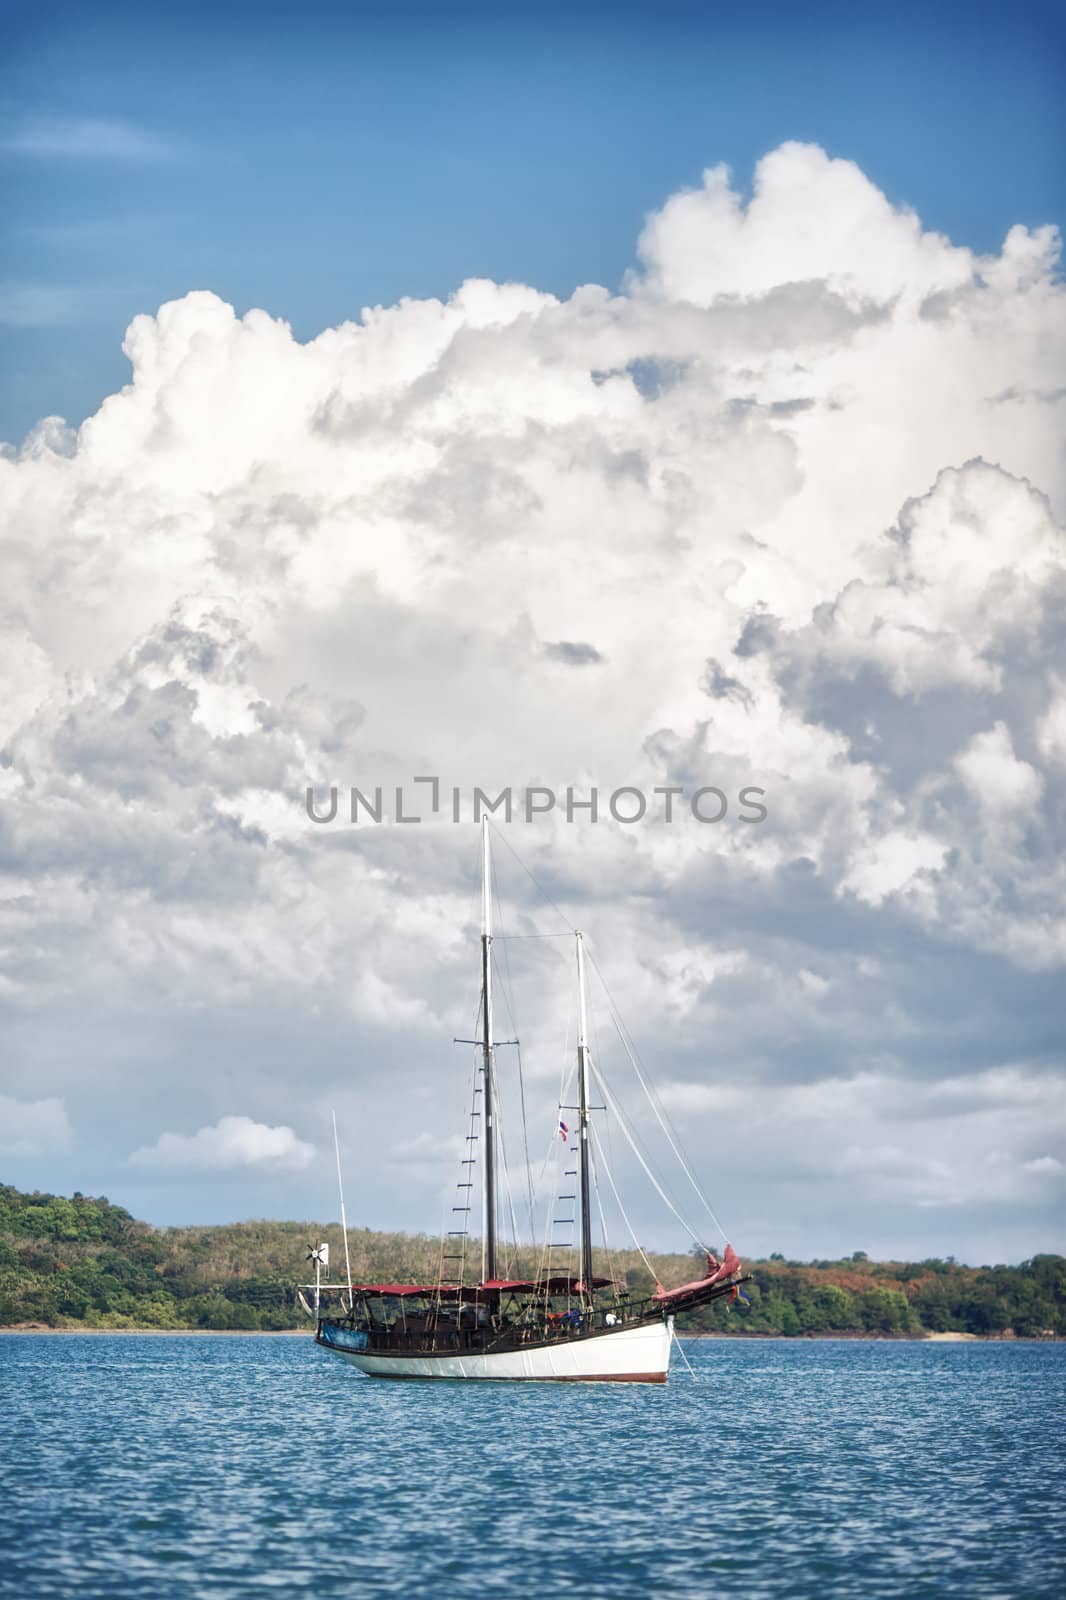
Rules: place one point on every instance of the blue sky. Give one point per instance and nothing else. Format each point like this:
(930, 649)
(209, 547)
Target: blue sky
(313, 160)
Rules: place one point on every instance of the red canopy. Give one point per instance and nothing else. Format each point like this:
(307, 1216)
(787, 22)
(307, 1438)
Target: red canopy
(553, 1285)
(404, 1289)
(494, 1286)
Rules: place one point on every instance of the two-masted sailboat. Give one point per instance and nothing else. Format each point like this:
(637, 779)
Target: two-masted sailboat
(555, 1326)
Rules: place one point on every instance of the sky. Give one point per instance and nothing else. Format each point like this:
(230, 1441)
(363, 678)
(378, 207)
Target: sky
(312, 160)
(585, 397)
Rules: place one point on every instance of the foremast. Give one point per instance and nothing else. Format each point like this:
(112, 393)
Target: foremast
(584, 1150)
(488, 1073)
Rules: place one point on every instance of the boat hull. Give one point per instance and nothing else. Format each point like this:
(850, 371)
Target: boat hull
(631, 1355)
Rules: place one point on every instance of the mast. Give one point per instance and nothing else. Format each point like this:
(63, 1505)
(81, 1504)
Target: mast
(583, 1123)
(488, 1235)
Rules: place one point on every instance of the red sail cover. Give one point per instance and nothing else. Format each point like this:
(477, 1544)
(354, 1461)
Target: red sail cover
(715, 1274)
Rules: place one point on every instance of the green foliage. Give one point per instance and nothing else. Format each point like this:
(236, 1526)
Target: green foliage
(82, 1262)
(860, 1297)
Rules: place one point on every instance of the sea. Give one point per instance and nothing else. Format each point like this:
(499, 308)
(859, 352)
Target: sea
(174, 1466)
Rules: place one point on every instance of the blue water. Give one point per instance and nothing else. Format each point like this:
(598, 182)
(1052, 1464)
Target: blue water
(183, 1466)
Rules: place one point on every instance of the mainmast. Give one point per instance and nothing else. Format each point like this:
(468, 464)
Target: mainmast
(583, 1123)
(488, 1233)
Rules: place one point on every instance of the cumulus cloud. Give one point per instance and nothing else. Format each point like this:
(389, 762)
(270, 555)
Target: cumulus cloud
(231, 1144)
(33, 1127)
(792, 503)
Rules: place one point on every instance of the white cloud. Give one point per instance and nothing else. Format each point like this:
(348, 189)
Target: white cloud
(891, 863)
(912, 1144)
(89, 139)
(810, 218)
(1004, 787)
(1051, 728)
(792, 502)
(33, 1127)
(233, 1143)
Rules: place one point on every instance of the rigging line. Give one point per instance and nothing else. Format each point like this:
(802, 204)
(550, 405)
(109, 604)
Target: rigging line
(443, 1228)
(603, 1220)
(680, 1350)
(567, 1069)
(478, 1070)
(612, 1264)
(538, 886)
(631, 1135)
(506, 986)
(506, 1167)
(525, 1144)
(636, 1151)
(625, 1215)
(541, 1244)
(662, 1115)
(609, 1160)
(565, 1076)
(547, 1160)
(506, 995)
(344, 1219)
(507, 989)
(612, 1255)
(471, 1121)
(669, 1141)
(547, 1241)
(468, 1177)
(629, 1045)
(560, 1152)
(566, 1072)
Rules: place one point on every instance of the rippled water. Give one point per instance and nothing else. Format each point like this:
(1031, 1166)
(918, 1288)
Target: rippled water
(186, 1466)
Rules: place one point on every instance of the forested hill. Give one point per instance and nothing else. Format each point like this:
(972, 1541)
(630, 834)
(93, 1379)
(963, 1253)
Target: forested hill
(82, 1262)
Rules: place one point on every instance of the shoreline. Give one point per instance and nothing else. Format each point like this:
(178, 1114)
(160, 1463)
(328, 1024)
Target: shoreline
(27, 1330)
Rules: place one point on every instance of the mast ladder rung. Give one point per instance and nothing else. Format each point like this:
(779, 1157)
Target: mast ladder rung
(464, 1185)
(468, 1161)
(568, 1197)
(456, 1233)
(460, 1208)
